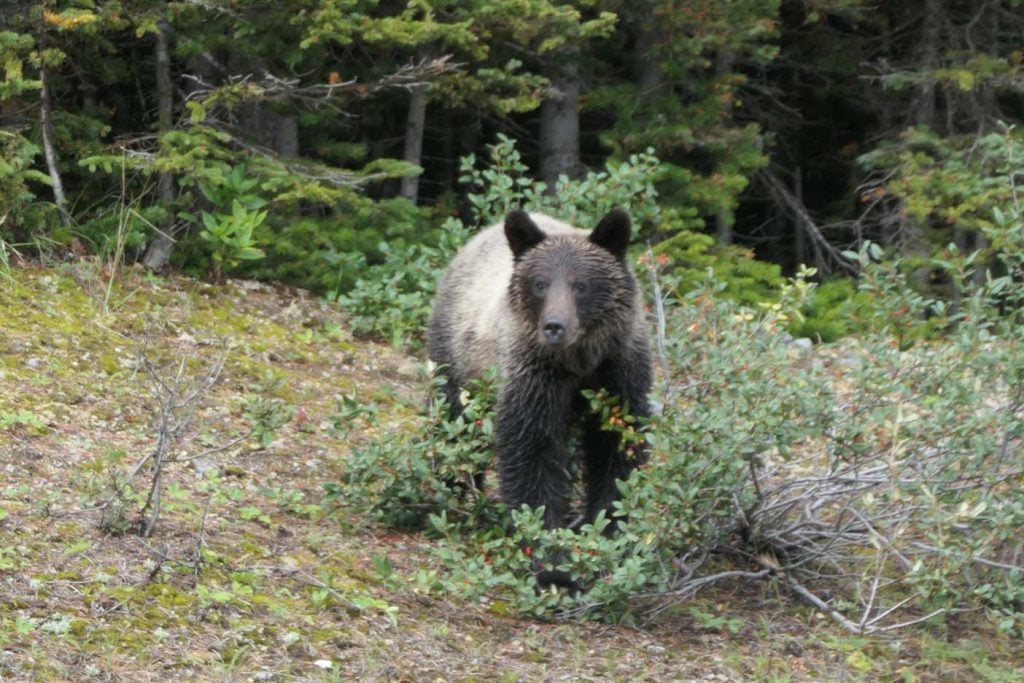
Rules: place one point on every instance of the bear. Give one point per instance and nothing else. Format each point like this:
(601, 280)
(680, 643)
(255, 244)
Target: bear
(557, 310)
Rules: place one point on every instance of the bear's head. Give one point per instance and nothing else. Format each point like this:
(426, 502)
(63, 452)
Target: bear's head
(572, 286)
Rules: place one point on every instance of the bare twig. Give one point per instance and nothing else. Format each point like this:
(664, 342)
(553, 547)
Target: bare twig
(659, 317)
(267, 87)
(796, 208)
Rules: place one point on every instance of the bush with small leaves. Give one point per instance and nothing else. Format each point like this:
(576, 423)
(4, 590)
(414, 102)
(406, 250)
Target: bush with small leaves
(427, 467)
(885, 472)
(392, 299)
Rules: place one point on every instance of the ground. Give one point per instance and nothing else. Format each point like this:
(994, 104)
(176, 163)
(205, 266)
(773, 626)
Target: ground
(250, 573)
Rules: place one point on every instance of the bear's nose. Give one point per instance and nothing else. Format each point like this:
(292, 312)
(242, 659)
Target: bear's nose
(554, 331)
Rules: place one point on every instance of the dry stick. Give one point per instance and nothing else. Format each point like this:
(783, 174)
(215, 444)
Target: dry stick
(659, 313)
(883, 615)
(50, 152)
(172, 428)
(821, 605)
(1004, 447)
(866, 613)
(273, 88)
(693, 586)
(201, 537)
(793, 204)
(217, 449)
(884, 541)
(163, 438)
(969, 558)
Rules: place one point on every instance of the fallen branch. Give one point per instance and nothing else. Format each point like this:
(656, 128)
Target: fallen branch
(792, 205)
(267, 87)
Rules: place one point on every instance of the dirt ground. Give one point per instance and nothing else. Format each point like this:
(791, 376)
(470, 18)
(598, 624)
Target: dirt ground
(249, 573)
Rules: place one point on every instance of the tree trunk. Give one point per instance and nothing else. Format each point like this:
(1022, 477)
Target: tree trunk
(980, 273)
(723, 219)
(799, 235)
(912, 239)
(560, 128)
(886, 104)
(723, 227)
(52, 163)
(982, 36)
(158, 254)
(646, 68)
(286, 137)
(986, 112)
(924, 114)
(414, 125)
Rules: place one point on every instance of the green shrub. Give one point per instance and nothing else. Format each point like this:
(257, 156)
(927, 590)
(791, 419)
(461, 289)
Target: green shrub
(882, 482)
(330, 253)
(690, 255)
(425, 468)
(828, 314)
(392, 299)
(23, 215)
(893, 467)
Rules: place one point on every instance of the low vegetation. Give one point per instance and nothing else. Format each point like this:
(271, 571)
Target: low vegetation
(251, 571)
(233, 464)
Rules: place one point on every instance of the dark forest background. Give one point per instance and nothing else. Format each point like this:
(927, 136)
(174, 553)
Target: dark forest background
(273, 139)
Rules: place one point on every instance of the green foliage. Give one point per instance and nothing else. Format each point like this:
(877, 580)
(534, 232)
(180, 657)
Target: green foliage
(892, 460)
(683, 112)
(691, 255)
(266, 412)
(429, 468)
(830, 311)
(15, 50)
(946, 187)
(26, 419)
(230, 236)
(22, 214)
(393, 300)
(615, 417)
(109, 487)
(328, 254)
(890, 305)
(504, 183)
(17, 201)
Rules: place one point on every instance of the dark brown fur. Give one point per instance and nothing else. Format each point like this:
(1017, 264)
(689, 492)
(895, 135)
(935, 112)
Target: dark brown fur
(558, 310)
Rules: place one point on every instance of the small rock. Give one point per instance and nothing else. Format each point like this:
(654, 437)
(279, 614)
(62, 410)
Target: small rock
(802, 344)
(851, 360)
(204, 465)
(409, 369)
(249, 285)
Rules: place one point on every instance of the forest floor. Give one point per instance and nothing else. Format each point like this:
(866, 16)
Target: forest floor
(249, 572)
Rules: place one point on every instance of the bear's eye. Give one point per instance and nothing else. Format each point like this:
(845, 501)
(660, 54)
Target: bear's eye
(579, 287)
(540, 286)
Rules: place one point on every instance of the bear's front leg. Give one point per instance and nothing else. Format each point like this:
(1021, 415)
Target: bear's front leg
(605, 460)
(532, 431)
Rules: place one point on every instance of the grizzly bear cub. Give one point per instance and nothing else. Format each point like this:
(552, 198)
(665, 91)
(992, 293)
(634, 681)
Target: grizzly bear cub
(557, 310)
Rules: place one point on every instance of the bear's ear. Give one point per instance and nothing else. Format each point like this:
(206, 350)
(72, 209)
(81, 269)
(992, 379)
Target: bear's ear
(613, 232)
(521, 232)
